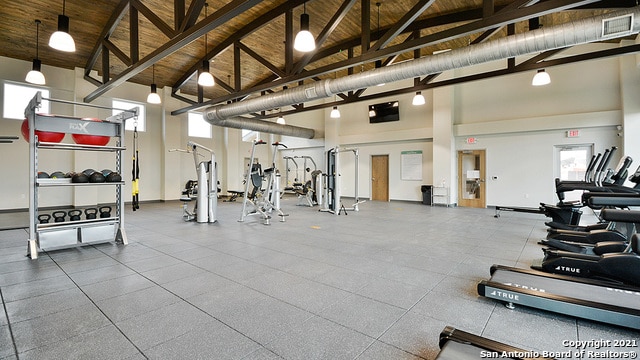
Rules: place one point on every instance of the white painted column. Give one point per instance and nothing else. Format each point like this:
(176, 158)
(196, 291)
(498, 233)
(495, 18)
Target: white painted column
(444, 152)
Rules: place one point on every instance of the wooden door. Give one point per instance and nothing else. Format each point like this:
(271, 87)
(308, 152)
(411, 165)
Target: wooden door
(380, 177)
(471, 178)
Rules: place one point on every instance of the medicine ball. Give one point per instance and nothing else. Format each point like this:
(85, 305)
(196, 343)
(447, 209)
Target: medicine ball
(106, 172)
(88, 172)
(80, 178)
(114, 177)
(97, 177)
(42, 175)
(57, 175)
(85, 139)
(44, 136)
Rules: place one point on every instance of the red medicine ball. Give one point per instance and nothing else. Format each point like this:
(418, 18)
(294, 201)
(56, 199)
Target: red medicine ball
(84, 139)
(43, 136)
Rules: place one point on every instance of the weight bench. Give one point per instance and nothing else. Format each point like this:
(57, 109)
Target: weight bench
(234, 195)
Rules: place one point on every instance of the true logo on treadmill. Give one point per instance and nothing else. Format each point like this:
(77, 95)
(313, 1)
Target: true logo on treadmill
(505, 295)
(568, 269)
(525, 287)
(622, 291)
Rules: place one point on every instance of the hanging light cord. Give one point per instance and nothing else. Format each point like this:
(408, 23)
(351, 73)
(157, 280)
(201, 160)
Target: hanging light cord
(37, 39)
(206, 5)
(64, 3)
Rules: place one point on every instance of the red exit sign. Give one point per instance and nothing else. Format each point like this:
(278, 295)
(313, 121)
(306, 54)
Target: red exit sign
(472, 140)
(573, 133)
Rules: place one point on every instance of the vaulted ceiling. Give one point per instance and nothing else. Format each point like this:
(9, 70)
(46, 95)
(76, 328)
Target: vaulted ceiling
(250, 42)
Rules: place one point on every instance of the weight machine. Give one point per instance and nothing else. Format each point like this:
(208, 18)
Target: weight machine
(263, 201)
(204, 190)
(332, 194)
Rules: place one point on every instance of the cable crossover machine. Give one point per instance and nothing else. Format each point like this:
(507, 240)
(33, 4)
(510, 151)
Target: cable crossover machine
(205, 189)
(261, 201)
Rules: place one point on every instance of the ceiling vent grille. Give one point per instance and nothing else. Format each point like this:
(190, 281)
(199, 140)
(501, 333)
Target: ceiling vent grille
(617, 26)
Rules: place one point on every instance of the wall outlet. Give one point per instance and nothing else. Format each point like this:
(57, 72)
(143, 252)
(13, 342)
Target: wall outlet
(494, 177)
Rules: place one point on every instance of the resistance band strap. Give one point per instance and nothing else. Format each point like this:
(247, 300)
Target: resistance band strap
(135, 173)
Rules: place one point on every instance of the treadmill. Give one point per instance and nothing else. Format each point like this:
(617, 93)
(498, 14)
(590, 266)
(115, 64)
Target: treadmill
(460, 345)
(585, 298)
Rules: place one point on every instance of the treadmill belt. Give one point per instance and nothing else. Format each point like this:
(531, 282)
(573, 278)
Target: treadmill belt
(588, 292)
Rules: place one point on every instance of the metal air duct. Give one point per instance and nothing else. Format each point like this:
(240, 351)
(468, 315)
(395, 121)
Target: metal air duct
(608, 26)
(264, 126)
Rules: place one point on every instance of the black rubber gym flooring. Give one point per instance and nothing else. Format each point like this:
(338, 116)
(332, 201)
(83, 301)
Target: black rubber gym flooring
(378, 284)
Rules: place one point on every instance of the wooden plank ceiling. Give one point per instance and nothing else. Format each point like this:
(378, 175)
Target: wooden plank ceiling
(249, 41)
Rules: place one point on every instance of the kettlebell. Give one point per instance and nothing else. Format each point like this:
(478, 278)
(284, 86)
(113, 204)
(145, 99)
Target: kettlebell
(74, 215)
(80, 178)
(114, 177)
(105, 212)
(90, 213)
(59, 216)
(44, 218)
(97, 177)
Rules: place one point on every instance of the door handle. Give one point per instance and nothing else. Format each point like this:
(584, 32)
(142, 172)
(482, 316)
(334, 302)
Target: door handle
(373, 179)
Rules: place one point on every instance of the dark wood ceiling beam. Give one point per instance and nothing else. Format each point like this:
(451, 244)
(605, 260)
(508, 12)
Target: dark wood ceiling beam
(117, 52)
(325, 33)
(224, 85)
(488, 8)
(226, 13)
(501, 18)
(288, 41)
(118, 13)
(237, 70)
(155, 20)
(134, 36)
(195, 8)
(401, 24)
(274, 69)
(178, 13)
(106, 72)
(238, 35)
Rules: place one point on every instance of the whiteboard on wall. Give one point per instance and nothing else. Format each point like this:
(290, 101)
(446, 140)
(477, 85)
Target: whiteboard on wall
(411, 163)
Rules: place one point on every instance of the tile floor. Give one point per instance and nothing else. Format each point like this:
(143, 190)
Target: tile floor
(378, 284)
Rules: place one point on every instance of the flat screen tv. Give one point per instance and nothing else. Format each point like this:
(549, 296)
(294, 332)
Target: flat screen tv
(384, 112)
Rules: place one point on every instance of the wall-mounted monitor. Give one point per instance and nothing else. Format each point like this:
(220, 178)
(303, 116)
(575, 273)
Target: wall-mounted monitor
(384, 112)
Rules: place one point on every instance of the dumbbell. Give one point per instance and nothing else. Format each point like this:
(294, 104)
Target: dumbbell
(44, 218)
(90, 213)
(105, 212)
(59, 216)
(74, 215)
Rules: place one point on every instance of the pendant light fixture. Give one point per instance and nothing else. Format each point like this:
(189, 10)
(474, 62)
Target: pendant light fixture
(335, 113)
(304, 41)
(280, 119)
(153, 97)
(378, 63)
(35, 76)
(205, 78)
(418, 99)
(541, 78)
(61, 40)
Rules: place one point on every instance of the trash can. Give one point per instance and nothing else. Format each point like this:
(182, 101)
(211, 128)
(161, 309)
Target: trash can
(426, 194)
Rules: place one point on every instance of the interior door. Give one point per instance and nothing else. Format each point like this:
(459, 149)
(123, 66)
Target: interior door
(471, 178)
(380, 177)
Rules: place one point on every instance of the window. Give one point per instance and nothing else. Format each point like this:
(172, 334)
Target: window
(17, 97)
(119, 105)
(250, 135)
(572, 165)
(198, 127)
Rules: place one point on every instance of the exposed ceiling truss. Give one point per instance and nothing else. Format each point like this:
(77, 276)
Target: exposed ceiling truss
(373, 46)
